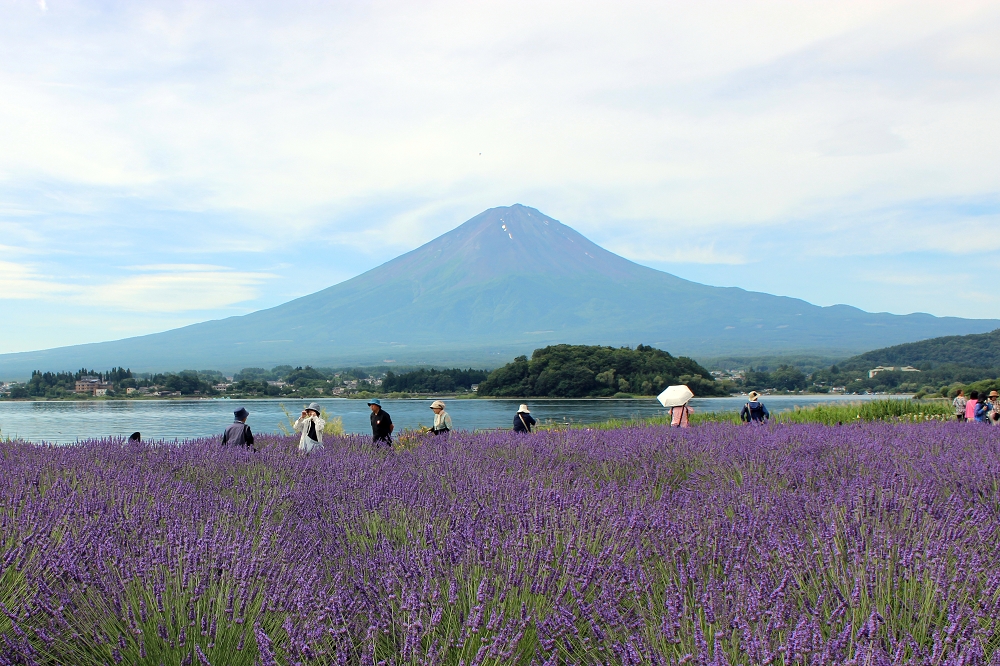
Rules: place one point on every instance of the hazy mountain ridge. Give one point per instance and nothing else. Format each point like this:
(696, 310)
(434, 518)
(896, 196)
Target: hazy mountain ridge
(504, 283)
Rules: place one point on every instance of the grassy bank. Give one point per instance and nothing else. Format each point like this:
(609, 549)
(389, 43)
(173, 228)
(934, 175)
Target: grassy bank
(828, 414)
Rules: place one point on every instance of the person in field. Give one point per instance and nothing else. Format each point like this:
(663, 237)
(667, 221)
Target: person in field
(382, 425)
(239, 434)
(311, 425)
(994, 401)
(983, 409)
(970, 406)
(959, 404)
(442, 420)
(523, 420)
(754, 411)
(679, 416)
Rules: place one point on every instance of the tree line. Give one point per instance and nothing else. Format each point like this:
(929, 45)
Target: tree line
(585, 371)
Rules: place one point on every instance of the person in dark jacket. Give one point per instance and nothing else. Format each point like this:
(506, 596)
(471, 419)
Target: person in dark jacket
(382, 425)
(238, 434)
(523, 420)
(754, 411)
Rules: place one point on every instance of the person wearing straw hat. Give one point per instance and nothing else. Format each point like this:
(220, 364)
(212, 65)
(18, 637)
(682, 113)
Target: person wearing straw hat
(311, 425)
(442, 420)
(993, 400)
(988, 408)
(754, 411)
(523, 420)
(238, 433)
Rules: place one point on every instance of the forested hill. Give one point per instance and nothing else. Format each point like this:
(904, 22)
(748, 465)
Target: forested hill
(580, 371)
(980, 350)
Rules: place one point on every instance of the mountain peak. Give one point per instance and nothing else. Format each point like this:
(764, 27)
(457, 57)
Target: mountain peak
(512, 240)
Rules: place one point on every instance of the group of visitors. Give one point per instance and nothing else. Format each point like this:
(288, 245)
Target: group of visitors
(977, 408)
(753, 411)
(310, 425)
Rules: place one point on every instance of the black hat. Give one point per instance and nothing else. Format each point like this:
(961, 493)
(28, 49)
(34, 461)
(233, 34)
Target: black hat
(241, 414)
(135, 437)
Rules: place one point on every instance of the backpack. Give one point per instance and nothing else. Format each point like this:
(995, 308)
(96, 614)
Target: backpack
(755, 413)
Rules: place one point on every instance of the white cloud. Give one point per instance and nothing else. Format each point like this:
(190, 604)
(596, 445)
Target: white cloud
(170, 288)
(214, 134)
(24, 282)
(177, 289)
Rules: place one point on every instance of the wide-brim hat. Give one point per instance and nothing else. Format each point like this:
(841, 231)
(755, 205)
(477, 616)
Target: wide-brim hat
(753, 395)
(437, 404)
(375, 401)
(523, 409)
(314, 406)
(993, 394)
(241, 413)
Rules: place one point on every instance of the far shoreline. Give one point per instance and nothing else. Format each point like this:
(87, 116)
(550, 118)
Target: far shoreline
(445, 396)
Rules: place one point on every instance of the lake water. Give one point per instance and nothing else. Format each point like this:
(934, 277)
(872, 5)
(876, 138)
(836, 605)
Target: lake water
(66, 422)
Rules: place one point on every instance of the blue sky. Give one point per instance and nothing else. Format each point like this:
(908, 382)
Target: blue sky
(167, 163)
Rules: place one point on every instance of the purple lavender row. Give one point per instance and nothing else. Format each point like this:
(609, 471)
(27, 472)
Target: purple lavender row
(792, 544)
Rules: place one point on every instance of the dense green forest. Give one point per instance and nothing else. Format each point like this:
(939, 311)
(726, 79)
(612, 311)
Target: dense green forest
(279, 381)
(981, 350)
(944, 365)
(60, 384)
(433, 381)
(579, 371)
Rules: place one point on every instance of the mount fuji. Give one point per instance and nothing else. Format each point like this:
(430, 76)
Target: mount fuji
(505, 282)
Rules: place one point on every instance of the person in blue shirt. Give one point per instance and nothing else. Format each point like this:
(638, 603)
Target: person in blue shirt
(983, 409)
(754, 411)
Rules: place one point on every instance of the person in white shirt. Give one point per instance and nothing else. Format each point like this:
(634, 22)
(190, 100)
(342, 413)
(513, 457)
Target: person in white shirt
(442, 420)
(311, 425)
(959, 404)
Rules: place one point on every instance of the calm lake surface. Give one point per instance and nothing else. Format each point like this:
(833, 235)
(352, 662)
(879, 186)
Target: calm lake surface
(67, 422)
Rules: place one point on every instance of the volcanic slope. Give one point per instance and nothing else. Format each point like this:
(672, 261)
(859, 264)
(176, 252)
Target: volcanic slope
(506, 282)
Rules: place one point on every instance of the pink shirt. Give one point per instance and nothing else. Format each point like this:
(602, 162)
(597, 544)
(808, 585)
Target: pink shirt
(679, 416)
(970, 410)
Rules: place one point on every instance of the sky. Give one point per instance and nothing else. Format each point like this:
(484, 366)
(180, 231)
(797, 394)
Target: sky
(167, 163)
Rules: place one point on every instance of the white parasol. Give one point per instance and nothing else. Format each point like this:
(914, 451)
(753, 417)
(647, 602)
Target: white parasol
(675, 396)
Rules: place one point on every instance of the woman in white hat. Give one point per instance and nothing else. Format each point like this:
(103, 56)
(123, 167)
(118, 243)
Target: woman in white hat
(311, 425)
(442, 420)
(523, 419)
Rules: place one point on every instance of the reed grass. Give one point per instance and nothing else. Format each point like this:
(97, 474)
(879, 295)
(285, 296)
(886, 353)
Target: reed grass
(827, 414)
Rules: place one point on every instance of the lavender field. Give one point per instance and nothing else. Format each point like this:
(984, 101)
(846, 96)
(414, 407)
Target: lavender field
(791, 544)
